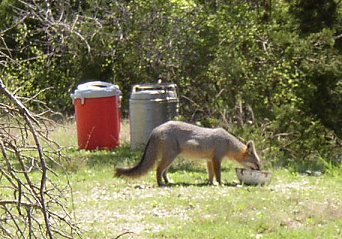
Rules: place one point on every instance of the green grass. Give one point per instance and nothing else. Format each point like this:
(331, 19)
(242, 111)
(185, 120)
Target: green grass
(292, 206)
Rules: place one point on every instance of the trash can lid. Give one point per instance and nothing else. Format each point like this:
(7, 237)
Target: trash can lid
(149, 95)
(96, 89)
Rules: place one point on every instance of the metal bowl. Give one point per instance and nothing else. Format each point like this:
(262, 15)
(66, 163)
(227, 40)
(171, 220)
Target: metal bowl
(253, 177)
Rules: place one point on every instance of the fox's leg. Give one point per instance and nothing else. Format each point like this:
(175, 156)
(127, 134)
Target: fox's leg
(210, 171)
(167, 180)
(217, 169)
(162, 170)
(163, 166)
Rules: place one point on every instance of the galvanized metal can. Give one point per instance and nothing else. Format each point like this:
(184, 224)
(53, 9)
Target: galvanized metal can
(150, 105)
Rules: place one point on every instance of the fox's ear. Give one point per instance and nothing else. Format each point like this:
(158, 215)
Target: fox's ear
(250, 146)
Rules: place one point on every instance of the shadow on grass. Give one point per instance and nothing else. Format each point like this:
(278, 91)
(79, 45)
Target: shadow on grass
(73, 159)
(123, 155)
(205, 184)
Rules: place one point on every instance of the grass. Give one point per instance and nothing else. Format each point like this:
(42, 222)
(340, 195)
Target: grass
(292, 206)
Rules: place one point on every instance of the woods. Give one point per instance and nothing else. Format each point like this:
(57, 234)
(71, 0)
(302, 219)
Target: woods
(271, 69)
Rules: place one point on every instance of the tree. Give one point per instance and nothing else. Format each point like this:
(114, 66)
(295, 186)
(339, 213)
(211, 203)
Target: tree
(29, 208)
(314, 15)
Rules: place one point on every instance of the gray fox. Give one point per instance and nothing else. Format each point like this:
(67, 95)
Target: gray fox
(174, 138)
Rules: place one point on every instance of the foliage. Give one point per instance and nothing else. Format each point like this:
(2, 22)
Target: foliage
(274, 63)
(313, 15)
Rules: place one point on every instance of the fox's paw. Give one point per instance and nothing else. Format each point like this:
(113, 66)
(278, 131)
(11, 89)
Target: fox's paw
(162, 185)
(169, 181)
(215, 183)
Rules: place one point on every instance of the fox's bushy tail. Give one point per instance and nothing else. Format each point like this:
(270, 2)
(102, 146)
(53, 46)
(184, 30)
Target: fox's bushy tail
(146, 163)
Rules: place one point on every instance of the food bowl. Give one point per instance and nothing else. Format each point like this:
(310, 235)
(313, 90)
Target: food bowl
(253, 177)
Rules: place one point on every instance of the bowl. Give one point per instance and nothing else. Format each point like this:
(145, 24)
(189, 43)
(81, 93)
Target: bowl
(253, 177)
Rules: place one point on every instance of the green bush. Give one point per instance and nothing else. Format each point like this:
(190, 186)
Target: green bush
(242, 63)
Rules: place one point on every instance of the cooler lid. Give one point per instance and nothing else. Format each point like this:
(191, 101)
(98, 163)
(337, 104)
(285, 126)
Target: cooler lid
(96, 89)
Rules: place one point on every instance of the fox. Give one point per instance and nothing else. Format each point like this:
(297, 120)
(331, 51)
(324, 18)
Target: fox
(174, 138)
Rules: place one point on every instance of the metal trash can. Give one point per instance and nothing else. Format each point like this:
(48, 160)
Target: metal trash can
(97, 113)
(150, 105)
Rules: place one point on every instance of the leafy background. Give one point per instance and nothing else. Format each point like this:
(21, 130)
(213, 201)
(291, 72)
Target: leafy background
(267, 70)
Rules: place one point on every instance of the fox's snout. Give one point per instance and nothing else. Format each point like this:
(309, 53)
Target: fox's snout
(251, 160)
(254, 166)
(257, 166)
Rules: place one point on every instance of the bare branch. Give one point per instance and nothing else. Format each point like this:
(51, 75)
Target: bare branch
(28, 203)
(24, 204)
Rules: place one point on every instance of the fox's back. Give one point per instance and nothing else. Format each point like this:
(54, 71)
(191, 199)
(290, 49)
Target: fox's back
(192, 140)
(184, 131)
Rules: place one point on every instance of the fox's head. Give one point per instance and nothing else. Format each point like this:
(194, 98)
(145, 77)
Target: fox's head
(251, 159)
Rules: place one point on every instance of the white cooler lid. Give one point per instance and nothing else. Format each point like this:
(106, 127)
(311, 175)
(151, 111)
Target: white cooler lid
(95, 89)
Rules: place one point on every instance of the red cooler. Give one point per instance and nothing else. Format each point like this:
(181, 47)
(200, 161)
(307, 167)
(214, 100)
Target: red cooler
(97, 112)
